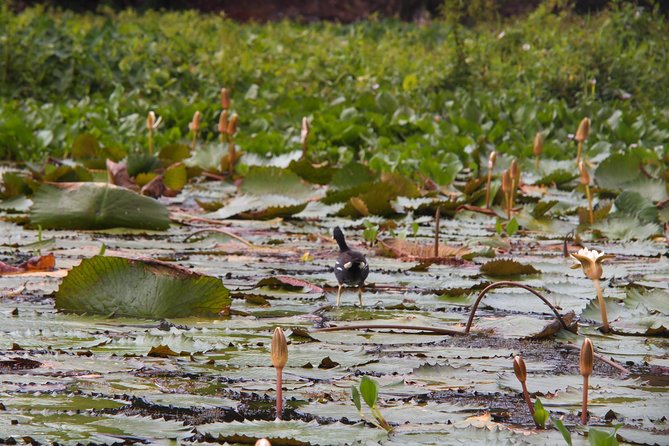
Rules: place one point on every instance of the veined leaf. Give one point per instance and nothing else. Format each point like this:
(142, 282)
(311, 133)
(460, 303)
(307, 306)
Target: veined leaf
(95, 206)
(139, 288)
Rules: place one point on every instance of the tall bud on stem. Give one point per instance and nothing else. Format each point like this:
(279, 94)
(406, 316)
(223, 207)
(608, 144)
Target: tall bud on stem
(279, 359)
(521, 373)
(585, 363)
(515, 180)
(225, 99)
(491, 165)
(581, 136)
(194, 127)
(507, 183)
(151, 124)
(537, 148)
(304, 137)
(585, 181)
(232, 129)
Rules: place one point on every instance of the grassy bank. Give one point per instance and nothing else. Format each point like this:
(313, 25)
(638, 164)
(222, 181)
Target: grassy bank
(399, 95)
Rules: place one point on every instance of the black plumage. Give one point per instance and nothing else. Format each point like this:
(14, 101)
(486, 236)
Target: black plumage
(351, 267)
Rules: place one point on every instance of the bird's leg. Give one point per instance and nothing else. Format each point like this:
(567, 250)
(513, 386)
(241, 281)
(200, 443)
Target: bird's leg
(360, 295)
(339, 294)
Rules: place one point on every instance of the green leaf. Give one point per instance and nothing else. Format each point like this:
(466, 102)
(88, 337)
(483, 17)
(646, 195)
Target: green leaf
(598, 437)
(540, 414)
(512, 227)
(617, 170)
(95, 206)
(173, 153)
(352, 175)
(559, 425)
(355, 396)
(85, 146)
(557, 177)
(115, 286)
(261, 181)
(369, 390)
(175, 176)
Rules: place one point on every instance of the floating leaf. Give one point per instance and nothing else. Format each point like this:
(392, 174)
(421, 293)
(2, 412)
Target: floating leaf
(505, 267)
(139, 288)
(95, 206)
(351, 175)
(616, 170)
(403, 248)
(262, 181)
(175, 176)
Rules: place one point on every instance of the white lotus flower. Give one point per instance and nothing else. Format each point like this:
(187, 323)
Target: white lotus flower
(591, 262)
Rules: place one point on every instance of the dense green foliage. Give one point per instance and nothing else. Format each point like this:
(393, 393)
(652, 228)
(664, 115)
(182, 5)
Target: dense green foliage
(398, 95)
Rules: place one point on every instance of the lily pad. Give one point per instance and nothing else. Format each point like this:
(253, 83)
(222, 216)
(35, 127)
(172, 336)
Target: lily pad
(505, 267)
(95, 206)
(117, 286)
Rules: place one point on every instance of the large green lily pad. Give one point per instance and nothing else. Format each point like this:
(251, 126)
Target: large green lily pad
(95, 206)
(117, 286)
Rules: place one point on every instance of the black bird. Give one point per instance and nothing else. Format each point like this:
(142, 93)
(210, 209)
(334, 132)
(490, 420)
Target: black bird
(351, 267)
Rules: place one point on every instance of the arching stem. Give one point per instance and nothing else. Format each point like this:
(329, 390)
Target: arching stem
(508, 284)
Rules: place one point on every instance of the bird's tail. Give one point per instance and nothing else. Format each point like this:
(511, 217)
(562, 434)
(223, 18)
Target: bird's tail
(339, 237)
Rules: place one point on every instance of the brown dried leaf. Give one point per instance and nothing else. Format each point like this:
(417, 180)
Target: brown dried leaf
(405, 249)
(118, 175)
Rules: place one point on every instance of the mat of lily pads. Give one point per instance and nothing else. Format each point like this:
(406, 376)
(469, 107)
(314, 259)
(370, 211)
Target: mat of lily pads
(71, 378)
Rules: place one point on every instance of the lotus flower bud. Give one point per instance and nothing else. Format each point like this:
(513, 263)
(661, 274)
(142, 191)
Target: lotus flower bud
(585, 176)
(492, 159)
(519, 369)
(263, 442)
(225, 99)
(279, 349)
(506, 182)
(223, 122)
(583, 130)
(305, 131)
(586, 359)
(538, 144)
(195, 123)
(232, 125)
(150, 120)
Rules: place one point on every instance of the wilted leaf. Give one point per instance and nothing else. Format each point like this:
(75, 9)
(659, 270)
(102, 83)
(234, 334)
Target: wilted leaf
(403, 248)
(289, 283)
(95, 206)
(115, 286)
(505, 267)
(161, 351)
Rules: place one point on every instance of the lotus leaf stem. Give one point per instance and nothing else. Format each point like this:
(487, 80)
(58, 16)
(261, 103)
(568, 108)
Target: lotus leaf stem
(394, 327)
(508, 284)
(604, 359)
